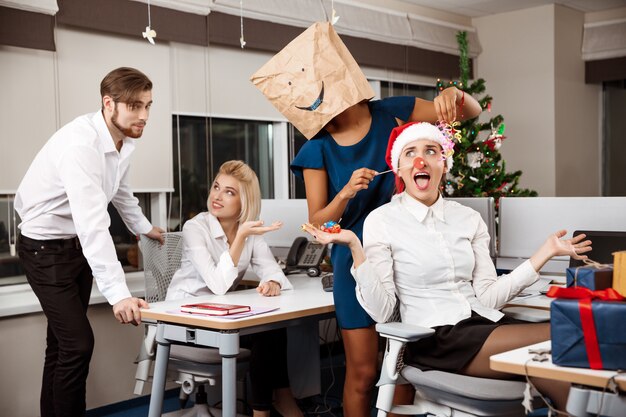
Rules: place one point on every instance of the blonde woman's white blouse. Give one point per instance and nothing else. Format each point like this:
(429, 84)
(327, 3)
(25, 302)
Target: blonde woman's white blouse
(207, 267)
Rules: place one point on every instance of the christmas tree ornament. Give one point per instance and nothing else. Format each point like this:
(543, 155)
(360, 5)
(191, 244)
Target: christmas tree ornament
(334, 18)
(149, 33)
(475, 159)
(242, 41)
(494, 140)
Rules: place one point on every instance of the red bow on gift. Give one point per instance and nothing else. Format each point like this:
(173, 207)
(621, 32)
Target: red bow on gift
(585, 295)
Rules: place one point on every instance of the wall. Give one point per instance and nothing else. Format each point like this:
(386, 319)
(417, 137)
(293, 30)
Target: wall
(517, 64)
(28, 113)
(577, 112)
(532, 65)
(112, 372)
(46, 90)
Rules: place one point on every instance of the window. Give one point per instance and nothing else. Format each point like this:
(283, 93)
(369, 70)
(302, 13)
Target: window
(125, 242)
(201, 145)
(296, 140)
(11, 270)
(391, 89)
(614, 148)
(387, 89)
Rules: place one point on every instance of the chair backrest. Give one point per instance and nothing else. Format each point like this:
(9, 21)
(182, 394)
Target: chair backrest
(160, 262)
(486, 207)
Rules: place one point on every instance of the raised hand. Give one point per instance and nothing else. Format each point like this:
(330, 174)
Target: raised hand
(573, 247)
(555, 246)
(344, 237)
(359, 180)
(256, 227)
(445, 104)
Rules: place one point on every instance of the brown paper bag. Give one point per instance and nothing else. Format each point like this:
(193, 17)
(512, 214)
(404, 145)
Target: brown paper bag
(313, 79)
(619, 272)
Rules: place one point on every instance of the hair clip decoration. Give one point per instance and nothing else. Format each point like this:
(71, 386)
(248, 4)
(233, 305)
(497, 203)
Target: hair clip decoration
(449, 133)
(331, 227)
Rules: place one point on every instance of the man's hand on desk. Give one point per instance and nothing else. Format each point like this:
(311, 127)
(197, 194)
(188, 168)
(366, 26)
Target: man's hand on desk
(128, 310)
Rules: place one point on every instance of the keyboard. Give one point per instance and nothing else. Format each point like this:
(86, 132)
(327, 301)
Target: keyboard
(327, 281)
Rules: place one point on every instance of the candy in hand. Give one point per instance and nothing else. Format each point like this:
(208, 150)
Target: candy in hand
(331, 227)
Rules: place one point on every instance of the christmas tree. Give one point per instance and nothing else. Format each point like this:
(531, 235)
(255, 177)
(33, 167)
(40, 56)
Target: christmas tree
(479, 170)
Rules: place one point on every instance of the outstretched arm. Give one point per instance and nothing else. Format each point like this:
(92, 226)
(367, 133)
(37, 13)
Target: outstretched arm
(316, 185)
(450, 105)
(555, 246)
(344, 237)
(375, 289)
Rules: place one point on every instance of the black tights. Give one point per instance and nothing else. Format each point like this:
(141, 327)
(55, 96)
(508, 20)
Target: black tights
(268, 366)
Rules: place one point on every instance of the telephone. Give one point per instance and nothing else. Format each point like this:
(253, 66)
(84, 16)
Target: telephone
(305, 254)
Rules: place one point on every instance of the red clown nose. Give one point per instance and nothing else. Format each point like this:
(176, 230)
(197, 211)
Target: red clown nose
(418, 162)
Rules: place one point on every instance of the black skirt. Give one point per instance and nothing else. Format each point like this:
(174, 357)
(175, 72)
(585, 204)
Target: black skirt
(452, 347)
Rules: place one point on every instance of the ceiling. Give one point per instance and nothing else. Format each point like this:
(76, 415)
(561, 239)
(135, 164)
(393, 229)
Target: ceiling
(478, 8)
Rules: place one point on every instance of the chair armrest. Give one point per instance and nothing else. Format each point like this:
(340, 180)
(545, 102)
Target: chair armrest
(403, 332)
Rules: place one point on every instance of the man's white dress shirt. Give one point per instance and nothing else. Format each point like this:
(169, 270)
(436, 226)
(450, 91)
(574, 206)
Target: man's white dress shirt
(207, 267)
(435, 260)
(66, 191)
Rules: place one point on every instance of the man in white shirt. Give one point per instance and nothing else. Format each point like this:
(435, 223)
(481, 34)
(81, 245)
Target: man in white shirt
(65, 240)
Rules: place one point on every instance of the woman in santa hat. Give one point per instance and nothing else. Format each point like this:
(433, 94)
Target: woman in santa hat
(339, 167)
(432, 255)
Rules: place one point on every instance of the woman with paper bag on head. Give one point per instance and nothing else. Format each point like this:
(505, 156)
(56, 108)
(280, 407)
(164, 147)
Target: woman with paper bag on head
(316, 84)
(218, 247)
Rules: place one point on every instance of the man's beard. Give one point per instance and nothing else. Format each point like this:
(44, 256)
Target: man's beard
(127, 131)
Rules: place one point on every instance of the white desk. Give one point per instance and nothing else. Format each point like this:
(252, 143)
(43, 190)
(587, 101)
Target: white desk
(307, 301)
(538, 301)
(517, 362)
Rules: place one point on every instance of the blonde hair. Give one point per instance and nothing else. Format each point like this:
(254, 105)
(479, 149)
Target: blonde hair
(249, 189)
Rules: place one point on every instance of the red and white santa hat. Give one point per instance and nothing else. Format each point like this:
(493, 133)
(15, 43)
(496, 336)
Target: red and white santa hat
(407, 133)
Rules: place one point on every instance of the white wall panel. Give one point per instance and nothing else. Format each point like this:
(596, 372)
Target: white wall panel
(27, 110)
(84, 58)
(231, 91)
(518, 67)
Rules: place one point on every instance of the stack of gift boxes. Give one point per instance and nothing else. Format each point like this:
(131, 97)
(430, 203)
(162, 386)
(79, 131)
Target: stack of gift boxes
(588, 318)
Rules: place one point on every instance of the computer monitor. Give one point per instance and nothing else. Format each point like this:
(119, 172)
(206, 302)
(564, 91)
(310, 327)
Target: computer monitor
(603, 243)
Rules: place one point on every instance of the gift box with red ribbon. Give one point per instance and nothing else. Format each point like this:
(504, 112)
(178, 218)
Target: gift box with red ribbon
(588, 328)
(594, 277)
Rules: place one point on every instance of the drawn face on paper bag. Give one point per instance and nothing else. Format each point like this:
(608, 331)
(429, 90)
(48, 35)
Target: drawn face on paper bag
(313, 79)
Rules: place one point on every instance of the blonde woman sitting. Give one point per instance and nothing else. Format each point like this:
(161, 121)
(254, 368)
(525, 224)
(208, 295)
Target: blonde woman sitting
(218, 247)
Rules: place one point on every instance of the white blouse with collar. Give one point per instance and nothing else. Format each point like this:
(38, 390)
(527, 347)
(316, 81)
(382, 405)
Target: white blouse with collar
(207, 267)
(435, 260)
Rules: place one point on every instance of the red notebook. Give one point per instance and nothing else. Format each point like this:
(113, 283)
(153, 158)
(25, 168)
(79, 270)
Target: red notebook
(214, 309)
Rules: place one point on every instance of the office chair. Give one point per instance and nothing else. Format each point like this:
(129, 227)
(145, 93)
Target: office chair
(439, 393)
(193, 367)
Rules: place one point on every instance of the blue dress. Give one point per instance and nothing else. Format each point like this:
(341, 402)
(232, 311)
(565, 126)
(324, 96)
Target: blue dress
(340, 162)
